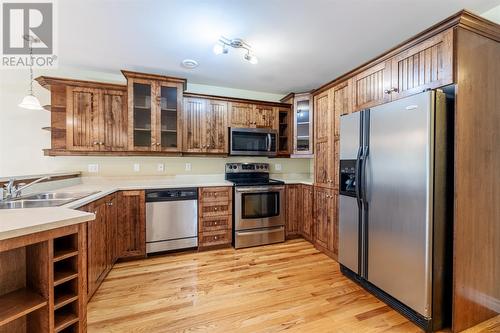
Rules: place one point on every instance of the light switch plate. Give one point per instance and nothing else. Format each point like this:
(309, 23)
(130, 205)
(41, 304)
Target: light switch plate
(188, 166)
(93, 168)
(160, 167)
(277, 167)
(137, 167)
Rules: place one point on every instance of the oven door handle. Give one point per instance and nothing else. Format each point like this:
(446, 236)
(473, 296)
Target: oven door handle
(260, 189)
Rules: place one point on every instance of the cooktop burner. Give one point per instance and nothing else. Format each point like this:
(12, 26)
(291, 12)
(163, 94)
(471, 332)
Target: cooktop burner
(250, 174)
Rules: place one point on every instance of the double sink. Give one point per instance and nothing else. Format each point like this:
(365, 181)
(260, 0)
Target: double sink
(45, 199)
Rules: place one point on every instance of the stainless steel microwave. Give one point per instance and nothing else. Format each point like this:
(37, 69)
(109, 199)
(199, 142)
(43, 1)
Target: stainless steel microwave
(252, 141)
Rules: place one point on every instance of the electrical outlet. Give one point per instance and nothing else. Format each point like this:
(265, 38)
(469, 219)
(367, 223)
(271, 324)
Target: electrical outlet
(188, 166)
(93, 168)
(160, 167)
(277, 167)
(137, 167)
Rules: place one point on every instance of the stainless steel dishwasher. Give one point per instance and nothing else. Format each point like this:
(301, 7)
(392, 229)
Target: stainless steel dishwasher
(171, 219)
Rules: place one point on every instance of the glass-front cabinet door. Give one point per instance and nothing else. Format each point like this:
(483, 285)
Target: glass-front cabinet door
(169, 107)
(155, 105)
(142, 116)
(303, 125)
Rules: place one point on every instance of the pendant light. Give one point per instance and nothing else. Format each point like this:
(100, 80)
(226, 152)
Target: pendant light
(29, 101)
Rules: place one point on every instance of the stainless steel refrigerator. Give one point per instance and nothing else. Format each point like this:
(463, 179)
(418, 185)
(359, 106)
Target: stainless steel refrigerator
(393, 204)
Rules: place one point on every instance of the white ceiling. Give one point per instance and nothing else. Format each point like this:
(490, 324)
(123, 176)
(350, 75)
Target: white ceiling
(300, 44)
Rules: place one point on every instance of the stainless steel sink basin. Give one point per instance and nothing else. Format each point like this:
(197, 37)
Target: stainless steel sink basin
(57, 195)
(46, 199)
(32, 203)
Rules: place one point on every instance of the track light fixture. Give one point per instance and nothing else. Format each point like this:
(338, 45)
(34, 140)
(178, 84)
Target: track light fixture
(221, 47)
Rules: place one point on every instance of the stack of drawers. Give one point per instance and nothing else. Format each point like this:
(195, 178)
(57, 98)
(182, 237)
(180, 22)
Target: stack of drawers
(215, 216)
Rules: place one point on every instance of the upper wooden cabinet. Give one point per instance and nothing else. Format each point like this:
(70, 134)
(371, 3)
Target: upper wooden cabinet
(205, 126)
(154, 108)
(427, 65)
(302, 123)
(96, 119)
(324, 124)
(284, 126)
(249, 115)
(369, 86)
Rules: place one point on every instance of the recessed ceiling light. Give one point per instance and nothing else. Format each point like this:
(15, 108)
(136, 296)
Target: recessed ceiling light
(189, 63)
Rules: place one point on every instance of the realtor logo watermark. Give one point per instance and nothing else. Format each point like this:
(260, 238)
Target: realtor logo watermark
(28, 34)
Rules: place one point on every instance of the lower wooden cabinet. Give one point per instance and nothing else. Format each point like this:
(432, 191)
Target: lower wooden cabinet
(326, 221)
(214, 216)
(97, 241)
(306, 227)
(299, 211)
(131, 240)
(118, 231)
(101, 241)
(294, 209)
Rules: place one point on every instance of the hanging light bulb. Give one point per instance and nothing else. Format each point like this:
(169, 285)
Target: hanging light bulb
(251, 58)
(220, 49)
(29, 101)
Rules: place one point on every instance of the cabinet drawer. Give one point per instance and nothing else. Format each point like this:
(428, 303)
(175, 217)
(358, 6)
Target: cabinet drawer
(215, 223)
(211, 238)
(214, 209)
(215, 194)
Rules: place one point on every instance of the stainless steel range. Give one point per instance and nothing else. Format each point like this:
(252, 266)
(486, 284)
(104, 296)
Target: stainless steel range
(259, 205)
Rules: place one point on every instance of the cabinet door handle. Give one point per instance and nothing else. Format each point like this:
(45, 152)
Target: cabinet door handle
(95, 143)
(158, 144)
(216, 237)
(390, 91)
(216, 208)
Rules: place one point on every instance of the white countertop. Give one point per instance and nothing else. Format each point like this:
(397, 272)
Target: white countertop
(21, 222)
(18, 222)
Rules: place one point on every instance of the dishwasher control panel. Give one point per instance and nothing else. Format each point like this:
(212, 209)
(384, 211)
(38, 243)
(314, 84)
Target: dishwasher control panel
(171, 194)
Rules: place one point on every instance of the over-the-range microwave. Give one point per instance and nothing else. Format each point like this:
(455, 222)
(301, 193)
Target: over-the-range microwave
(252, 141)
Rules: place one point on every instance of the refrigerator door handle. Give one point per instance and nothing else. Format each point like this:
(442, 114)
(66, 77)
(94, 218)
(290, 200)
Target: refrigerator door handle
(364, 199)
(358, 176)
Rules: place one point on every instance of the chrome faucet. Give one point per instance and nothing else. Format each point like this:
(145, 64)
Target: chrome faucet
(12, 191)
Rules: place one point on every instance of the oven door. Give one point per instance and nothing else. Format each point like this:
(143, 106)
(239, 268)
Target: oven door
(259, 207)
(252, 142)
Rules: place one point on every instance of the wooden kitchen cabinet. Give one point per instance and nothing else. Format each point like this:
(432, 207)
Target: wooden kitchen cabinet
(82, 119)
(262, 116)
(214, 216)
(306, 202)
(239, 114)
(294, 207)
(101, 241)
(301, 118)
(131, 234)
(369, 87)
(154, 112)
(96, 119)
(427, 65)
(43, 282)
(97, 242)
(325, 221)
(284, 124)
(113, 134)
(250, 115)
(324, 124)
(205, 126)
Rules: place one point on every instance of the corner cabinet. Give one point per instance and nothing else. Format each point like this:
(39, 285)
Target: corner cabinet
(301, 122)
(154, 112)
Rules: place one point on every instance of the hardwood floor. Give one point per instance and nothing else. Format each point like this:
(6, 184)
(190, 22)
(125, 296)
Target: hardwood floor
(289, 286)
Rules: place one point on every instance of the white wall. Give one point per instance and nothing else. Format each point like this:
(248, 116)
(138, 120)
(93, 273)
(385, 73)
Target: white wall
(493, 14)
(22, 139)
